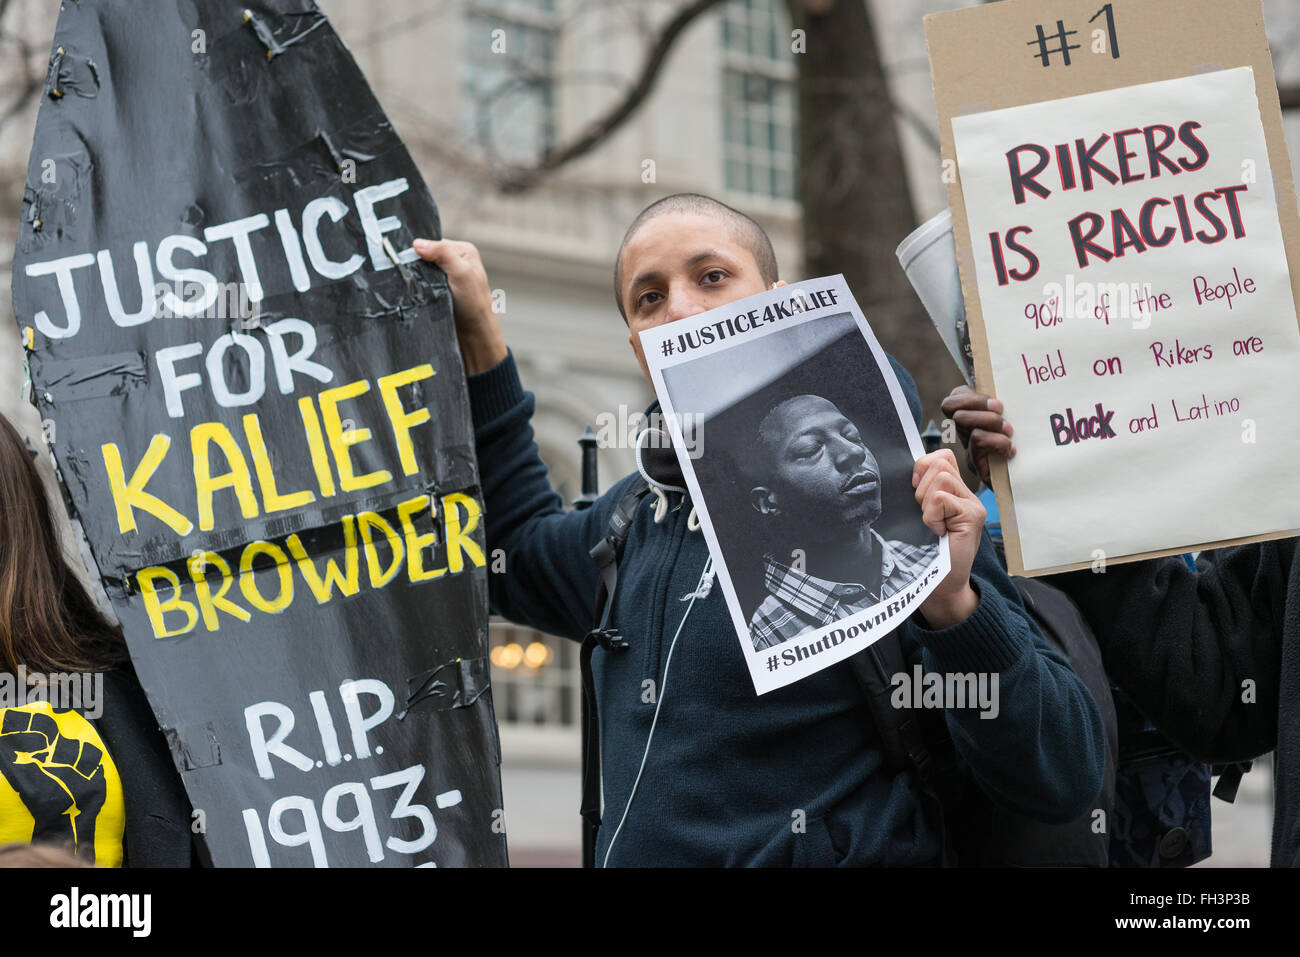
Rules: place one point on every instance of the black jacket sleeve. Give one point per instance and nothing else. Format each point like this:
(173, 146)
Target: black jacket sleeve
(158, 815)
(549, 578)
(1199, 652)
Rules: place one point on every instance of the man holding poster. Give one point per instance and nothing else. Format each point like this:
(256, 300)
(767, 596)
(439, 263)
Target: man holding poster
(681, 728)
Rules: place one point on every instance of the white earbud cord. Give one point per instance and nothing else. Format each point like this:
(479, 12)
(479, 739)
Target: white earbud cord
(707, 572)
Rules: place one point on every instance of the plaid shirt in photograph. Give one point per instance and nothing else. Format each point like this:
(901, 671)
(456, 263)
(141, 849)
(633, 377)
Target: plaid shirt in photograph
(797, 602)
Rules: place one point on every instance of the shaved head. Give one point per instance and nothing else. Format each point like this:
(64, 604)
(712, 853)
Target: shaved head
(744, 230)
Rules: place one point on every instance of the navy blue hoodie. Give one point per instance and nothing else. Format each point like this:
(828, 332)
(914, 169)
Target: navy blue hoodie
(795, 777)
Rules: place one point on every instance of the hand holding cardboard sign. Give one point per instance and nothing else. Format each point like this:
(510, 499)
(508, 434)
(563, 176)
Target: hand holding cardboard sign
(947, 506)
(482, 344)
(980, 426)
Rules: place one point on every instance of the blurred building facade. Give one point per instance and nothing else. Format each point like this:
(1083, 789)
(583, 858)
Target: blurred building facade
(501, 82)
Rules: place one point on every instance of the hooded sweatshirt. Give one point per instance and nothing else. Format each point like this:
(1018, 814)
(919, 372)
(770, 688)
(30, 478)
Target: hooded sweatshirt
(698, 770)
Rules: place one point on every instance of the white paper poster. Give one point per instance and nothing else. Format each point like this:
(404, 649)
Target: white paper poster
(797, 446)
(1139, 313)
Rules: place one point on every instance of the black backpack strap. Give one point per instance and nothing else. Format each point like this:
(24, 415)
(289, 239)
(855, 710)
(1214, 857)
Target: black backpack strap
(1230, 780)
(903, 739)
(607, 553)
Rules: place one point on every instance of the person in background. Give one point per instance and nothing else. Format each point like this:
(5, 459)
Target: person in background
(99, 785)
(1162, 794)
(1207, 650)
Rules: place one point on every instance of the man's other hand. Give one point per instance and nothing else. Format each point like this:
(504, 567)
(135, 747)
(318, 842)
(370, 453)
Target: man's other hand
(980, 427)
(482, 344)
(947, 505)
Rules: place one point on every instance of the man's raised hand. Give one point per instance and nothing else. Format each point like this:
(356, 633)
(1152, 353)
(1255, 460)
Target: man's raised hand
(482, 344)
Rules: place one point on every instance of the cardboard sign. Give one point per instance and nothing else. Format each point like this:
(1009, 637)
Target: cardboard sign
(800, 471)
(1127, 234)
(258, 412)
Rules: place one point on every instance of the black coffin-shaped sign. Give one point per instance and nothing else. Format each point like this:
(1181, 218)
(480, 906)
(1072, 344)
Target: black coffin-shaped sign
(259, 415)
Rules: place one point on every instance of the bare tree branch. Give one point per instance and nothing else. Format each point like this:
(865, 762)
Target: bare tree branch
(920, 126)
(30, 81)
(28, 89)
(396, 28)
(521, 178)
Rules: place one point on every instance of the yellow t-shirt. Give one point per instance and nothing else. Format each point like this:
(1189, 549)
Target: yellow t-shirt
(58, 784)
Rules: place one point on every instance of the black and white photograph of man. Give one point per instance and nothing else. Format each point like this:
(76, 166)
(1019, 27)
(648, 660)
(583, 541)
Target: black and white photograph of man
(805, 468)
(818, 495)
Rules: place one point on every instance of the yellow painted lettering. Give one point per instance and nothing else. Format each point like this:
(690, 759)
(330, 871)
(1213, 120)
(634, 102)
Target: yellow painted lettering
(316, 445)
(341, 441)
(403, 421)
(128, 496)
(205, 483)
(272, 500)
(379, 576)
(323, 586)
(458, 539)
(156, 608)
(248, 579)
(415, 544)
(210, 604)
